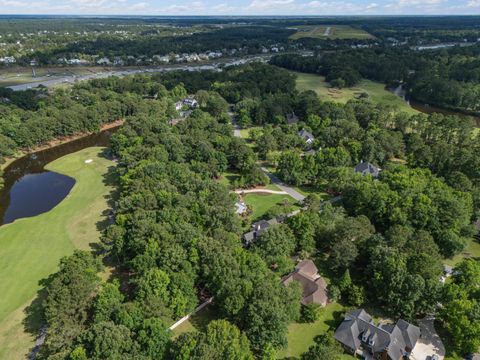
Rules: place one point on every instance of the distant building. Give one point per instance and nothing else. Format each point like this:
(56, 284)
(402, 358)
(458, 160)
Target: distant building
(314, 287)
(8, 60)
(292, 118)
(358, 334)
(257, 229)
(103, 61)
(365, 168)
(191, 102)
(305, 135)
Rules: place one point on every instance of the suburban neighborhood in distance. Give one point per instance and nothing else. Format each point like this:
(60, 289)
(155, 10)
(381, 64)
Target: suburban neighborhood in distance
(247, 180)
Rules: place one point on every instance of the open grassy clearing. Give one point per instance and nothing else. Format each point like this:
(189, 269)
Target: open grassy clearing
(301, 335)
(261, 203)
(31, 248)
(330, 32)
(197, 322)
(376, 91)
(472, 250)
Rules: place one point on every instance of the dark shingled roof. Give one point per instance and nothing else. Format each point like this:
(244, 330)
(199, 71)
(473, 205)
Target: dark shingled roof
(292, 118)
(306, 135)
(358, 330)
(367, 168)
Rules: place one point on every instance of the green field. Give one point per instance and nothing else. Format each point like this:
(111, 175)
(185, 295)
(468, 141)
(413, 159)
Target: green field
(376, 91)
(31, 248)
(197, 322)
(300, 335)
(472, 250)
(261, 203)
(330, 32)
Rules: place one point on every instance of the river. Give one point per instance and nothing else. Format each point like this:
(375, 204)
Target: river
(31, 190)
(426, 108)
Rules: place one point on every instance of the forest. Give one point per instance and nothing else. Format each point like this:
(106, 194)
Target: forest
(445, 78)
(176, 240)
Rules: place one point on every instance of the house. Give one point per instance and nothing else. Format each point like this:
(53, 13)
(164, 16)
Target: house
(258, 228)
(178, 105)
(359, 334)
(191, 102)
(240, 208)
(103, 61)
(314, 287)
(292, 118)
(305, 135)
(367, 168)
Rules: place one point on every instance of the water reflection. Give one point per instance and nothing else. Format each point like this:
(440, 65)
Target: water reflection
(30, 189)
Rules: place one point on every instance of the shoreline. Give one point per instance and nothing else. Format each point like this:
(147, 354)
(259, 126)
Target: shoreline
(57, 142)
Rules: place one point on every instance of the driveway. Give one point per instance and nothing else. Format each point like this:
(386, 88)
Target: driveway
(429, 342)
(290, 191)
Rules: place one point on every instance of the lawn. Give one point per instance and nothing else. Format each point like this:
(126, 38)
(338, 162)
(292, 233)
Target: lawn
(330, 32)
(306, 190)
(472, 250)
(197, 322)
(376, 91)
(261, 203)
(300, 335)
(32, 247)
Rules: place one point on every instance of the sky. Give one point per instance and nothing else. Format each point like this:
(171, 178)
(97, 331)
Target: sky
(241, 7)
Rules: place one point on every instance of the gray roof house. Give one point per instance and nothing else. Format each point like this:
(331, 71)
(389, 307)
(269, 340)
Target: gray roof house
(367, 168)
(292, 118)
(359, 334)
(305, 135)
(313, 285)
(258, 228)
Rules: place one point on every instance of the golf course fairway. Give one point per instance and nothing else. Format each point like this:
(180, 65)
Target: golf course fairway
(30, 248)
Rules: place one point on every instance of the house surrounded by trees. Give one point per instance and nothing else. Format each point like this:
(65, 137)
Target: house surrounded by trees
(359, 334)
(313, 285)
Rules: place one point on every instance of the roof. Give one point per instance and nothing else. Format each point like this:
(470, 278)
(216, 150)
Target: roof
(240, 207)
(292, 118)
(396, 340)
(258, 228)
(313, 285)
(306, 135)
(367, 168)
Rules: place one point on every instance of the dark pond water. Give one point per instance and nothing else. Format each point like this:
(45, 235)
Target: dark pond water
(426, 108)
(31, 190)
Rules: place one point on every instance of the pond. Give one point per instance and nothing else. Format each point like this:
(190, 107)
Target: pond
(426, 108)
(31, 190)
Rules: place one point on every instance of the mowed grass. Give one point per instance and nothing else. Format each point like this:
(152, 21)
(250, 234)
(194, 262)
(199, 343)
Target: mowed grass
(197, 322)
(472, 250)
(330, 32)
(376, 91)
(261, 203)
(300, 335)
(31, 248)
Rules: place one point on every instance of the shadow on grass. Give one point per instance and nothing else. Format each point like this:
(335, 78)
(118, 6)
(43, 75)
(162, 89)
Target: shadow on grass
(34, 320)
(110, 179)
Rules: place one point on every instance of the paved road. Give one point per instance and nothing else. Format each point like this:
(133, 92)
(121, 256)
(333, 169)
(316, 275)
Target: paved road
(217, 65)
(264, 191)
(236, 128)
(285, 188)
(289, 190)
